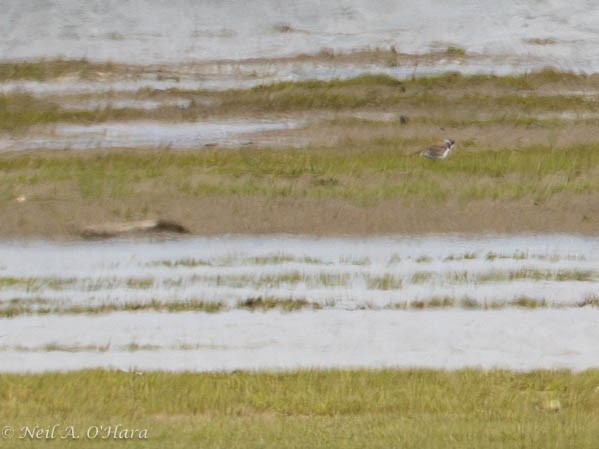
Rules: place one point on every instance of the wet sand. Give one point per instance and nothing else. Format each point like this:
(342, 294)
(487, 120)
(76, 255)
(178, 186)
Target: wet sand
(54, 219)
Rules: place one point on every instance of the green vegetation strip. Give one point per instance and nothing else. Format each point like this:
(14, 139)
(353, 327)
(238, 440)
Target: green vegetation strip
(507, 98)
(423, 409)
(44, 70)
(362, 173)
(19, 111)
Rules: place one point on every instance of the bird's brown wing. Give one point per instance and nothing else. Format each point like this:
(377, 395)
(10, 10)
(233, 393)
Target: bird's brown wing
(437, 148)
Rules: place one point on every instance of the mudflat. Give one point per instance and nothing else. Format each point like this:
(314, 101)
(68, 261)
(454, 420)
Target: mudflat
(57, 219)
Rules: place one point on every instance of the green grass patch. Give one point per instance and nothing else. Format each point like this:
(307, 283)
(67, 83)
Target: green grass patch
(386, 93)
(525, 81)
(312, 409)
(20, 111)
(368, 173)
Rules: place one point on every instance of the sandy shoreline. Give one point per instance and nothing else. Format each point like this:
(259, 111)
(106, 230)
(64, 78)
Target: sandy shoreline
(57, 220)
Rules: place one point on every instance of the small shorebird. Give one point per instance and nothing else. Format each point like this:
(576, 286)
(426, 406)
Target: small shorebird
(439, 151)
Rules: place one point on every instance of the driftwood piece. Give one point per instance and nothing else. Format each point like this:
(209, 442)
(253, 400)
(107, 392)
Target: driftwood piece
(108, 230)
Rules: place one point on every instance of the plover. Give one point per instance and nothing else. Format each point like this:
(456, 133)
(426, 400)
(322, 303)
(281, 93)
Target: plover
(439, 151)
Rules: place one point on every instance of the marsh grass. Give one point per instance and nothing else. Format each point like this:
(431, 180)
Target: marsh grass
(189, 262)
(470, 303)
(518, 255)
(481, 93)
(525, 81)
(140, 283)
(357, 261)
(460, 257)
(454, 50)
(268, 303)
(274, 259)
(421, 277)
(465, 409)
(529, 303)
(20, 111)
(383, 91)
(441, 302)
(369, 174)
(384, 282)
(537, 275)
(590, 300)
(35, 284)
(44, 70)
(42, 306)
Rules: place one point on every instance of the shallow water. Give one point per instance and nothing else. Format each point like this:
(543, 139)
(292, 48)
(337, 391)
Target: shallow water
(366, 290)
(248, 74)
(125, 103)
(71, 87)
(339, 273)
(441, 339)
(137, 134)
(564, 35)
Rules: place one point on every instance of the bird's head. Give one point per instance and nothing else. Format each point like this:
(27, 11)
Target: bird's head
(450, 143)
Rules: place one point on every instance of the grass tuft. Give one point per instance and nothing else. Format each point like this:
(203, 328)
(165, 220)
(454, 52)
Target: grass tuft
(262, 303)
